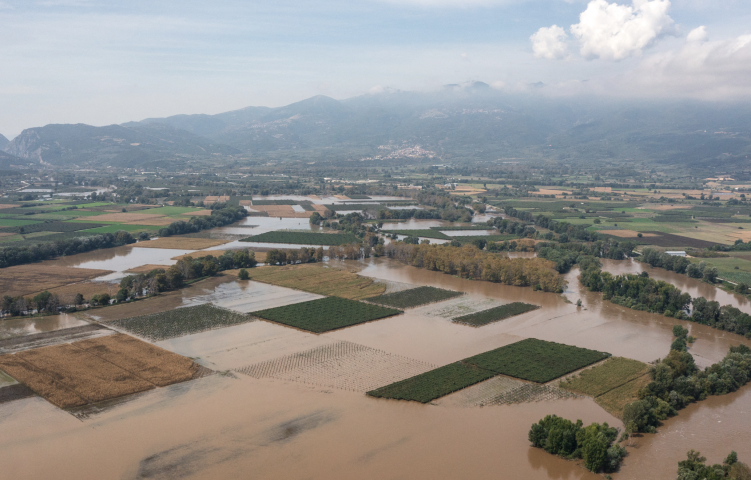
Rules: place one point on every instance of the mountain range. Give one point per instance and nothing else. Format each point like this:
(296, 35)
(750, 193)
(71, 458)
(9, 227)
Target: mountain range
(459, 122)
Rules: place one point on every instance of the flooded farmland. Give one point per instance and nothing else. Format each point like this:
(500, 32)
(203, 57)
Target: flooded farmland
(290, 404)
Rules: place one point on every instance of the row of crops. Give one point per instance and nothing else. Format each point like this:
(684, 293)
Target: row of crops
(325, 314)
(530, 359)
(495, 314)
(180, 322)
(414, 297)
(303, 238)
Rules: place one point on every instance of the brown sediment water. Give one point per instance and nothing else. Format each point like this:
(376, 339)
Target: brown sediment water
(220, 427)
(28, 326)
(296, 421)
(120, 259)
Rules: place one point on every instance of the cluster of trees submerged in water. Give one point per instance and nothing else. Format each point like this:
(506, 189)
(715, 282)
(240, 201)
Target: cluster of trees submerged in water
(676, 382)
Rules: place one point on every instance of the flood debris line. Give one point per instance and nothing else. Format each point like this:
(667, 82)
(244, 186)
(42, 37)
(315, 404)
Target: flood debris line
(495, 314)
(94, 370)
(530, 359)
(180, 322)
(326, 314)
(340, 365)
(414, 297)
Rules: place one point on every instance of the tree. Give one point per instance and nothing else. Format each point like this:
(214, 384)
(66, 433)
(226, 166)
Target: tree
(78, 300)
(243, 274)
(41, 299)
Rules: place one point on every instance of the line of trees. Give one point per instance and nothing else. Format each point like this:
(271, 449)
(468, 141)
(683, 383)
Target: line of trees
(470, 262)
(594, 443)
(566, 255)
(219, 217)
(10, 256)
(677, 382)
(677, 264)
(640, 292)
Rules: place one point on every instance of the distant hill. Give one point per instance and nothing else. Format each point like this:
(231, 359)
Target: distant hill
(6, 160)
(112, 145)
(456, 123)
(3, 141)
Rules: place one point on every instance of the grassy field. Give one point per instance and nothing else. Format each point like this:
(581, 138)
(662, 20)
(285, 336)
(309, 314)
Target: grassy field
(303, 238)
(325, 314)
(434, 384)
(726, 267)
(414, 297)
(316, 278)
(168, 211)
(54, 227)
(180, 322)
(536, 360)
(119, 227)
(13, 222)
(491, 315)
(614, 400)
(603, 378)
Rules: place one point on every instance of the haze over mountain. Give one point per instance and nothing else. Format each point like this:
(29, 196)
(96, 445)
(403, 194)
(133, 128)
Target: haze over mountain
(471, 121)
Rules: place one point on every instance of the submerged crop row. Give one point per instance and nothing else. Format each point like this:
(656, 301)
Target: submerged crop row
(495, 314)
(414, 297)
(325, 314)
(180, 321)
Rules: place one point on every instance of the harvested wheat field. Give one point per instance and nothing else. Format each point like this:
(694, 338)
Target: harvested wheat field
(36, 277)
(181, 243)
(199, 213)
(126, 217)
(283, 211)
(149, 362)
(93, 370)
(68, 377)
(147, 268)
(316, 278)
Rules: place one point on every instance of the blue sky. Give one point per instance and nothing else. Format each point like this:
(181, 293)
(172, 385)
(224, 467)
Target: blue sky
(103, 62)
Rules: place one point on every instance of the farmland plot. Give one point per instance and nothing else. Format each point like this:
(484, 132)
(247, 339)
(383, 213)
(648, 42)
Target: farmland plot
(414, 297)
(495, 314)
(536, 360)
(326, 314)
(341, 365)
(303, 238)
(180, 321)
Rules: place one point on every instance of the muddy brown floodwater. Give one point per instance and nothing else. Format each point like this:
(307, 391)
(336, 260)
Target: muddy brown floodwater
(296, 420)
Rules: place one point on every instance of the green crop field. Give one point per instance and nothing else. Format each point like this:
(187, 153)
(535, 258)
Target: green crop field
(536, 360)
(414, 297)
(53, 227)
(180, 322)
(12, 222)
(303, 238)
(495, 314)
(434, 384)
(325, 314)
(120, 227)
(605, 377)
(428, 233)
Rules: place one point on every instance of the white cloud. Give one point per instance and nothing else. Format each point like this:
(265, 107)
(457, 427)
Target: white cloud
(614, 32)
(698, 35)
(549, 43)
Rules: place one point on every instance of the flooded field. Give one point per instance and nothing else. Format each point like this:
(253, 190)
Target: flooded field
(290, 404)
(120, 259)
(28, 326)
